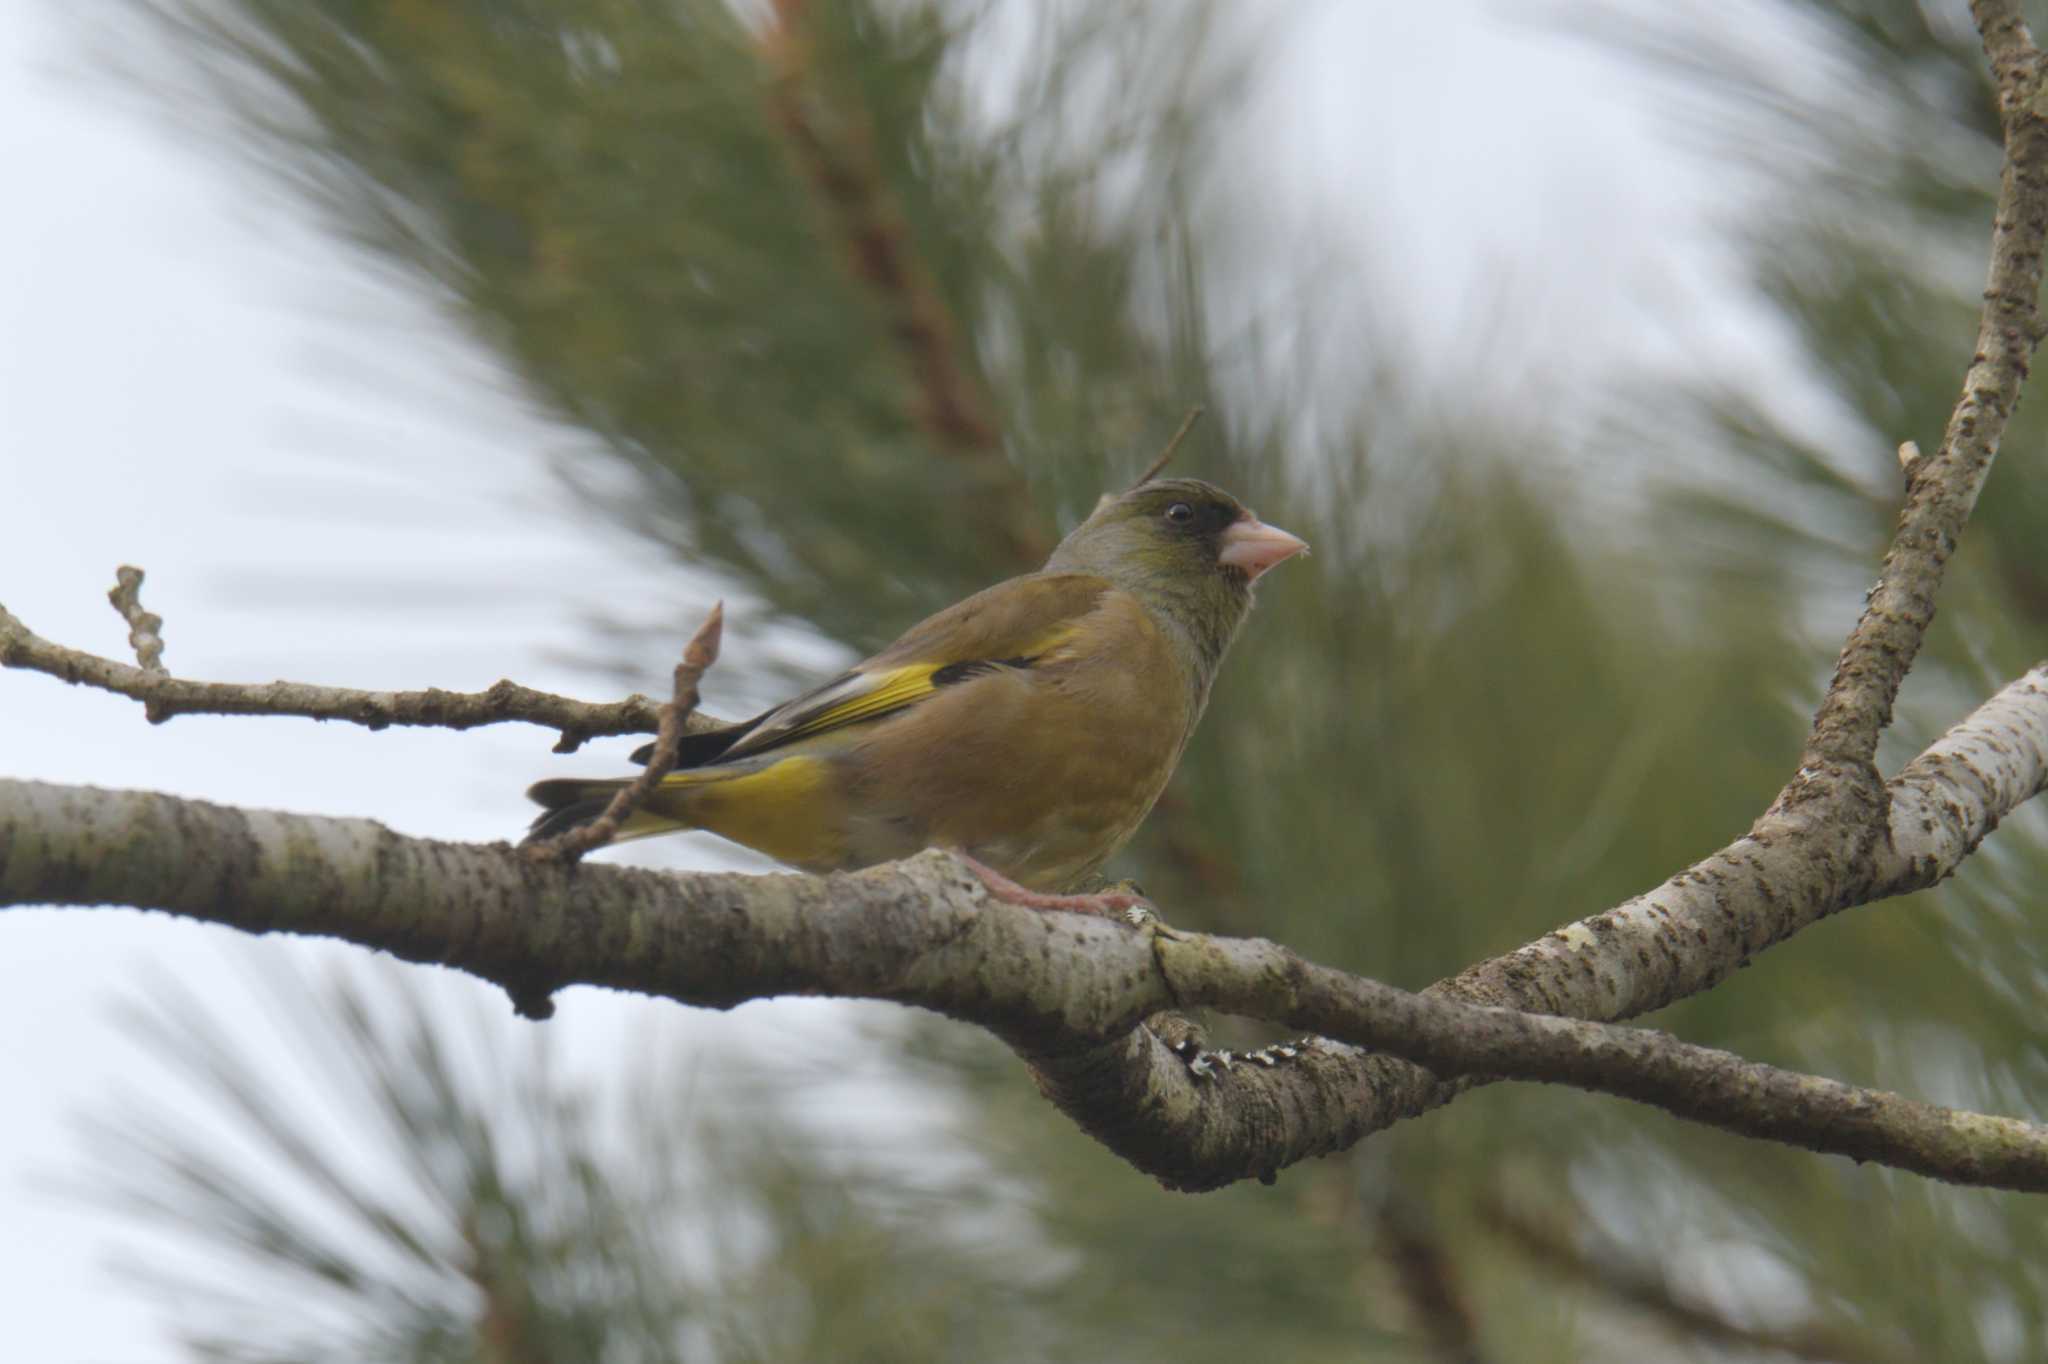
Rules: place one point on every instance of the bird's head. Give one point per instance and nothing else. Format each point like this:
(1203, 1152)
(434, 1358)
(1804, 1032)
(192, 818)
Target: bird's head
(1187, 549)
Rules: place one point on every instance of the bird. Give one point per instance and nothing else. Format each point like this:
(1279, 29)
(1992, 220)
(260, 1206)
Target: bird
(1028, 729)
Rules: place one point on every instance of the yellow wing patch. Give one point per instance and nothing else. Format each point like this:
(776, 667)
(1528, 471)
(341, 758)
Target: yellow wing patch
(884, 692)
(860, 696)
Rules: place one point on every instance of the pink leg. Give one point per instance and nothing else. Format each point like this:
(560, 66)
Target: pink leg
(1109, 904)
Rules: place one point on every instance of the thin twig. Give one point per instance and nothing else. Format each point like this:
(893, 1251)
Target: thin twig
(1187, 424)
(1942, 488)
(164, 697)
(145, 628)
(698, 655)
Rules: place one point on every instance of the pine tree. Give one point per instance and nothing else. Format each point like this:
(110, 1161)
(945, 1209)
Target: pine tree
(869, 302)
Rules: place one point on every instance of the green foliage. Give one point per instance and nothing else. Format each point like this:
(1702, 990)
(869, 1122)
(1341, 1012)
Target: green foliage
(870, 302)
(447, 1195)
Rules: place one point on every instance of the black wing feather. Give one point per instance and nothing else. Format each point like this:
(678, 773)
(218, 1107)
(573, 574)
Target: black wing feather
(702, 750)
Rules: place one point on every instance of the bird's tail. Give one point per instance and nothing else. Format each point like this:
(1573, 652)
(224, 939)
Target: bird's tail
(572, 802)
(789, 807)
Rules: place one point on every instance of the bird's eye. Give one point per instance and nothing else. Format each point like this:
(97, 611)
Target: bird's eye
(1180, 513)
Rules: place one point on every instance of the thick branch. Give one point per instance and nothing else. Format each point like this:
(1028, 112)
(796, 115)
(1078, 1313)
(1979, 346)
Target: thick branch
(1067, 991)
(1260, 979)
(1942, 490)
(164, 696)
(1793, 869)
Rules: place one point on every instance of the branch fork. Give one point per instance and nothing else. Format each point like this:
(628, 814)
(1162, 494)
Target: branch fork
(698, 656)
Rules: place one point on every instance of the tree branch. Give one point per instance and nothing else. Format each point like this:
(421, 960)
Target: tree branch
(164, 696)
(1429, 1279)
(1624, 1277)
(1679, 939)
(1263, 980)
(1941, 491)
(1066, 991)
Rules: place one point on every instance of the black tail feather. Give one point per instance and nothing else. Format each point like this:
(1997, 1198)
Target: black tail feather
(702, 750)
(570, 805)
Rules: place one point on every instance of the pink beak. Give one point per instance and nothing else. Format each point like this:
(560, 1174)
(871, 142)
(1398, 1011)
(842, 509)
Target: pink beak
(1252, 545)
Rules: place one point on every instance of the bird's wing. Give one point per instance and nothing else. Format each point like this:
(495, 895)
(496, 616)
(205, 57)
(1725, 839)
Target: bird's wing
(1009, 625)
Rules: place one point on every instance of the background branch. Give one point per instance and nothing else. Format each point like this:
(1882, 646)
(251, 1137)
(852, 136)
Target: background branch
(1429, 1278)
(832, 141)
(1623, 1276)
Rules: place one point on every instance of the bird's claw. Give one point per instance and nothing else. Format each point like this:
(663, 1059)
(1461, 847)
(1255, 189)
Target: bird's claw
(1139, 912)
(1204, 1064)
(1122, 900)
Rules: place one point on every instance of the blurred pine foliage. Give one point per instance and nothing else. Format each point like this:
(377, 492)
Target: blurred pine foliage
(872, 300)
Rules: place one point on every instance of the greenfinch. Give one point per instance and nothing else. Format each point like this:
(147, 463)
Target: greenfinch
(1029, 728)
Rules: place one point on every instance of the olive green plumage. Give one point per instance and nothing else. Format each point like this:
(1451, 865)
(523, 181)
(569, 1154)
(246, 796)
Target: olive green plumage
(1031, 726)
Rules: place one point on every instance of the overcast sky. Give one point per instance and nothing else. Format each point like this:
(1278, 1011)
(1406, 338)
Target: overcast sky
(194, 380)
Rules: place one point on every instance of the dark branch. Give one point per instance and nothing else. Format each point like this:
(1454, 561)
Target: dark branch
(1624, 1277)
(832, 142)
(1429, 1279)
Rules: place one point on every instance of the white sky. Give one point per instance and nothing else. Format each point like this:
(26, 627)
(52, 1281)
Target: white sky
(194, 380)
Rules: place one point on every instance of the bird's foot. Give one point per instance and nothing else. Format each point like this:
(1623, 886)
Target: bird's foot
(1204, 1064)
(1133, 909)
(1140, 913)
